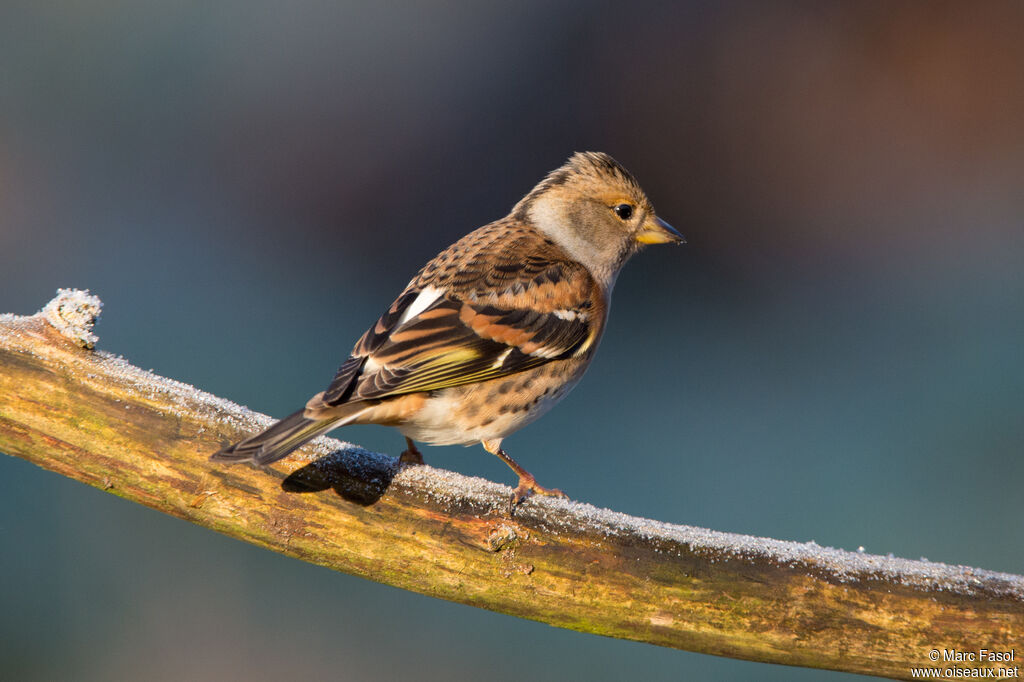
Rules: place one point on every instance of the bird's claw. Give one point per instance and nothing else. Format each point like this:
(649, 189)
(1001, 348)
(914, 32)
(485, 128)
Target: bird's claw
(411, 455)
(414, 457)
(528, 487)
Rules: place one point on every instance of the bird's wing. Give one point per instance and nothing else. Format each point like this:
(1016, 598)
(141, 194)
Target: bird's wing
(502, 305)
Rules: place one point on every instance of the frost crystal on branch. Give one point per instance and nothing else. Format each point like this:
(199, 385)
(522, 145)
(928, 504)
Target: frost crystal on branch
(73, 312)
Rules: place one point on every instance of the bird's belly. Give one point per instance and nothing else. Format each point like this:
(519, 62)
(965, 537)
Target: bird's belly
(464, 415)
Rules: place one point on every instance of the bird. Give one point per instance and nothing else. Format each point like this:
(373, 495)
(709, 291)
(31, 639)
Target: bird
(492, 332)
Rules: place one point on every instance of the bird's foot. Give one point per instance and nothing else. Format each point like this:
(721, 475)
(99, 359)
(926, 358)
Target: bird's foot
(527, 487)
(527, 483)
(411, 455)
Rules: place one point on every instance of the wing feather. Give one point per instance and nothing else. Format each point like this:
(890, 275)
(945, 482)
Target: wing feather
(486, 308)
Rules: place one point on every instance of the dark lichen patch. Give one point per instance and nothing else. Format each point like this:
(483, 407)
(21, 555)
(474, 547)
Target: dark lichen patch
(356, 475)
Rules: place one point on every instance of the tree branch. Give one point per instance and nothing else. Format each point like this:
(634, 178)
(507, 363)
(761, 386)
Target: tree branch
(96, 418)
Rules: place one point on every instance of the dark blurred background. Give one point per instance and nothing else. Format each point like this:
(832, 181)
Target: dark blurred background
(835, 355)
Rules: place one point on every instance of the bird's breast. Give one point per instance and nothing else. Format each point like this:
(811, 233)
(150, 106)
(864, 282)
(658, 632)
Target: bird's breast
(488, 410)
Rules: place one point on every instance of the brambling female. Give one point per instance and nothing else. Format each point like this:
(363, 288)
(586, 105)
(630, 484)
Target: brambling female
(495, 330)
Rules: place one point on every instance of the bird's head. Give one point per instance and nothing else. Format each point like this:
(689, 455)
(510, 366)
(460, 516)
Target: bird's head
(594, 209)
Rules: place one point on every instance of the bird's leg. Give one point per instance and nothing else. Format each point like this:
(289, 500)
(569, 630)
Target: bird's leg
(527, 483)
(411, 454)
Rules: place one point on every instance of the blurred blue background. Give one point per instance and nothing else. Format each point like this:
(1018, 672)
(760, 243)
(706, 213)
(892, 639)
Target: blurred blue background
(835, 355)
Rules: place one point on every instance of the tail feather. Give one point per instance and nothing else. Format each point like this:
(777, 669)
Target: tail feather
(279, 440)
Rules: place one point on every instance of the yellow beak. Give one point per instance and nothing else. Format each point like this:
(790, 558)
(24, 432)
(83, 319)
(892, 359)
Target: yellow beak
(657, 231)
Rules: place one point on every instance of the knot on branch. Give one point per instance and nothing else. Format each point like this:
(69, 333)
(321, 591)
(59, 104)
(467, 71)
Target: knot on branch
(73, 312)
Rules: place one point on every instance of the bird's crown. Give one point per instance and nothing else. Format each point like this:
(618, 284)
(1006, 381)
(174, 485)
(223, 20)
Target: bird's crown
(596, 167)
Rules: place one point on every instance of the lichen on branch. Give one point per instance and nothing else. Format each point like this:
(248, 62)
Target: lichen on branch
(94, 417)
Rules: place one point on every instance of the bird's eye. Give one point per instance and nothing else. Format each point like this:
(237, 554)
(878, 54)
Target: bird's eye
(624, 211)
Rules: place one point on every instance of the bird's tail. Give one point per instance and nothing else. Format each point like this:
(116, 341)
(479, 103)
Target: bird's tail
(280, 439)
